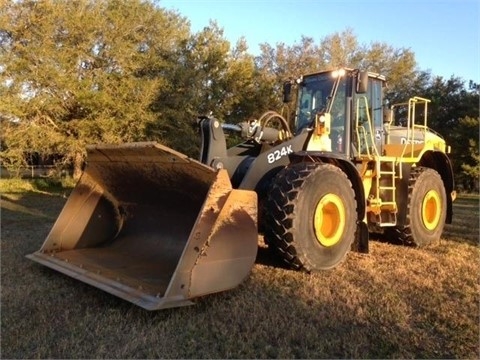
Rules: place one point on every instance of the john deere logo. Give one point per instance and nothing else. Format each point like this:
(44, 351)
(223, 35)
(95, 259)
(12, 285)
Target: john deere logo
(410, 141)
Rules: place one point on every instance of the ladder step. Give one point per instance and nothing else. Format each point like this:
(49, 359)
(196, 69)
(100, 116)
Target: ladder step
(388, 170)
(384, 224)
(382, 203)
(390, 221)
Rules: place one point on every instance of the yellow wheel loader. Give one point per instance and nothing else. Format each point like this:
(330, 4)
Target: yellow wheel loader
(156, 228)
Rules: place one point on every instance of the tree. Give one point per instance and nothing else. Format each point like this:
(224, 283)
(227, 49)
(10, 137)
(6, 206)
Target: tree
(453, 112)
(470, 162)
(465, 153)
(450, 102)
(340, 49)
(209, 78)
(79, 72)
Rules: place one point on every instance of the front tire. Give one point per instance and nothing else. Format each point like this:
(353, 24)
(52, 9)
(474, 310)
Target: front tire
(311, 216)
(426, 209)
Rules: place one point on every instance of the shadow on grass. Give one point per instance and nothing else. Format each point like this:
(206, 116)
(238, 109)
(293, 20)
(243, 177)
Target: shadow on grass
(273, 314)
(465, 225)
(267, 257)
(384, 307)
(32, 203)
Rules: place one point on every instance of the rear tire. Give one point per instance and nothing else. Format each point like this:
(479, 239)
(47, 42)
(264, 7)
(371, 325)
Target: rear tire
(311, 216)
(426, 209)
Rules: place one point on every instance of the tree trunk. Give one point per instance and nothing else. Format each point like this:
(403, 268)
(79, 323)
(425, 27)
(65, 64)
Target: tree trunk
(77, 165)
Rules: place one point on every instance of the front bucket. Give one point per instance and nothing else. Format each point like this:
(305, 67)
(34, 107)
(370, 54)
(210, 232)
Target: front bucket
(154, 227)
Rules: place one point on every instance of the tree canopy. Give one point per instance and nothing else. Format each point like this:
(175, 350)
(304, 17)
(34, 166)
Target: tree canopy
(79, 72)
(74, 73)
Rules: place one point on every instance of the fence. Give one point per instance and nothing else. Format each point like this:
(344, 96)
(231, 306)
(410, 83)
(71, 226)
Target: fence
(35, 171)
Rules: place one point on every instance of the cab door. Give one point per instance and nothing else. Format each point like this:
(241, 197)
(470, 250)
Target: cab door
(376, 100)
(369, 114)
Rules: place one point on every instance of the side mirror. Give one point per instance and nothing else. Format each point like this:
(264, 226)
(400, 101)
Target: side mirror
(388, 116)
(362, 82)
(287, 92)
(387, 112)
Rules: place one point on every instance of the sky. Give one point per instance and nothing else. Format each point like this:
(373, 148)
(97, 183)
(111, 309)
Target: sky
(443, 34)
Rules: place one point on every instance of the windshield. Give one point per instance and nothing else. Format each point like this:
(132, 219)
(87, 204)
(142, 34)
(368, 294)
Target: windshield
(313, 95)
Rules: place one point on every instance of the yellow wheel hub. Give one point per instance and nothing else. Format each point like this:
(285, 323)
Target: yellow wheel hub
(431, 209)
(329, 220)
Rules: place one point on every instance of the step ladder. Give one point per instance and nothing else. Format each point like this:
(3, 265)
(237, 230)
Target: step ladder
(385, 185)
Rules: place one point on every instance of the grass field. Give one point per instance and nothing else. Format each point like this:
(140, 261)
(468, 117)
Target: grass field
(395, 302)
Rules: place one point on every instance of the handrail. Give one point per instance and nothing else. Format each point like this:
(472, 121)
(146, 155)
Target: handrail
(411, 121)
(369, 140)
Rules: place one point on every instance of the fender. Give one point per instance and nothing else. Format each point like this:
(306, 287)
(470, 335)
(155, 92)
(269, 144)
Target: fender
(276, 157)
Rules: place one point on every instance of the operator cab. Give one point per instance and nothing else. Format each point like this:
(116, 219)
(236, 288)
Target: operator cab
(350, 97)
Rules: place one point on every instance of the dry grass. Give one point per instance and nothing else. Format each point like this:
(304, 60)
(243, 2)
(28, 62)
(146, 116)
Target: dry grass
(395, 302)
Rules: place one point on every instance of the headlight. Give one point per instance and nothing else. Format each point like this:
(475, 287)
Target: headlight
(338, 73)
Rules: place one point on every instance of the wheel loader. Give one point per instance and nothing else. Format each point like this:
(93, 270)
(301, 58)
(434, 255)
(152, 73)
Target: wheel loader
(157, 228)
